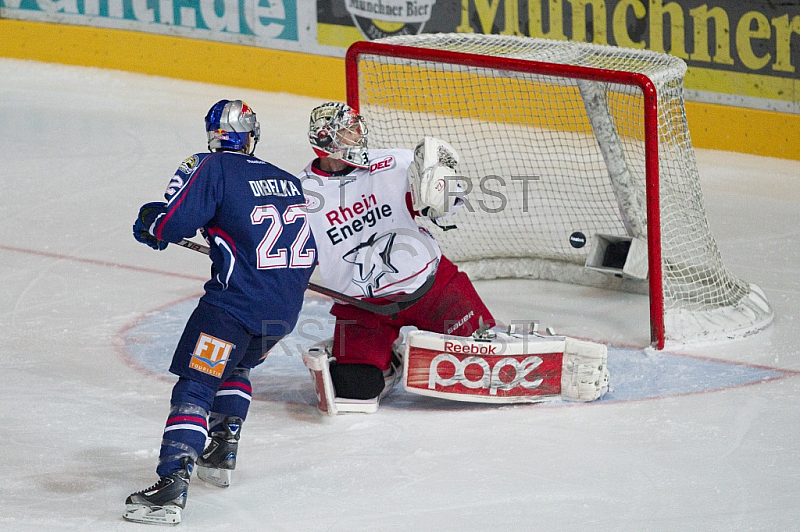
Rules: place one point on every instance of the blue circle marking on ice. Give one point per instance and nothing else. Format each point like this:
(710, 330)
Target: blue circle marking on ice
(640, 374)
(281, 377)
(635, 374)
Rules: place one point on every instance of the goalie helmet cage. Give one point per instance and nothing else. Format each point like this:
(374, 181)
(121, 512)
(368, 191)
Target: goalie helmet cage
(555, 138)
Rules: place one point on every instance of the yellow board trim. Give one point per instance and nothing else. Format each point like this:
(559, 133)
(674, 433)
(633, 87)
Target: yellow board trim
(721, 127)
(338, 35)
(711, 126)
(742, 84)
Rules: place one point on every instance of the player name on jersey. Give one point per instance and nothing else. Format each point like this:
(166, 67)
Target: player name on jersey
(274, 187)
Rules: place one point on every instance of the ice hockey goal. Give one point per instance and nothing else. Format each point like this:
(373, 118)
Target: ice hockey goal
(564, 144)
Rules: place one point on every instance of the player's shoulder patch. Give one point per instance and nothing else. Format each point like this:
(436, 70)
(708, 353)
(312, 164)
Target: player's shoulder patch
(183, 173)
(380, 164)
(189, 165)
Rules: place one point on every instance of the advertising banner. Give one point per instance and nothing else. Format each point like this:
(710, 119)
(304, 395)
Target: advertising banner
(738, 51)
(271, 24)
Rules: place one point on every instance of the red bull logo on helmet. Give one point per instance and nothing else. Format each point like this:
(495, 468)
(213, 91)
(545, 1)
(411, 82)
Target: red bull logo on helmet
(220, 134)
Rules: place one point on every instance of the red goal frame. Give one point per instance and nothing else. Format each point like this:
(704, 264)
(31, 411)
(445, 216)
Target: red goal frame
(635, 79)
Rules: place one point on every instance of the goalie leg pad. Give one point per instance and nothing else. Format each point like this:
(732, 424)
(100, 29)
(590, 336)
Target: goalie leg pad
(317, 360)
(504, 367)
(584, 374)
(496, 368)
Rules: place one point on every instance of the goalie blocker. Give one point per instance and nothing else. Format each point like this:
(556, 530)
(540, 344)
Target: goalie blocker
(504, 367)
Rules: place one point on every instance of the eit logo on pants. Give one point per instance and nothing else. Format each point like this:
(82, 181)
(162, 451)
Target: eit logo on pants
(210, 355)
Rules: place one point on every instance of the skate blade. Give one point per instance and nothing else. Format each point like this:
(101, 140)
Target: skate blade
(218, 477)
(154, 515)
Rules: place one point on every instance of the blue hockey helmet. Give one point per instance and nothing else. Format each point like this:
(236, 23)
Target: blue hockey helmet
(229, 123)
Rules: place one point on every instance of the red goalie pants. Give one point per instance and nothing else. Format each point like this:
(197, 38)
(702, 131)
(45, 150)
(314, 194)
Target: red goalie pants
(451, 306)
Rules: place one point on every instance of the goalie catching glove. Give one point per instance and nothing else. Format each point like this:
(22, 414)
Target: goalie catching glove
(433, 179)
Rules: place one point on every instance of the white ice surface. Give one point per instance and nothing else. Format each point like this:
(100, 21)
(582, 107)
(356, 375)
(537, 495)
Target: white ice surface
(89, 318)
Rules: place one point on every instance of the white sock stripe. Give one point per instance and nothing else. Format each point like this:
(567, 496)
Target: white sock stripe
(234, 392)
(186, 426)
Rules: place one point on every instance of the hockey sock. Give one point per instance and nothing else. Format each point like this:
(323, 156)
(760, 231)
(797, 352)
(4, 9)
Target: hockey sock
(184, 436)
(232, 399)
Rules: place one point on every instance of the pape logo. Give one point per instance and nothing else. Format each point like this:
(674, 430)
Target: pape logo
(489, 376)
(473, 371)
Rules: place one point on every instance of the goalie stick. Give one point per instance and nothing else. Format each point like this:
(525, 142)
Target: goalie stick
(389, 309)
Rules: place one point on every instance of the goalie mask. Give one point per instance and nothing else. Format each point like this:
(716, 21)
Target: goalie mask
(229, 123)
(336, 130)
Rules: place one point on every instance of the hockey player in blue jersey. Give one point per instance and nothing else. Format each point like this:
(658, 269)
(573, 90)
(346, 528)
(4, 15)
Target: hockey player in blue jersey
(263, 253)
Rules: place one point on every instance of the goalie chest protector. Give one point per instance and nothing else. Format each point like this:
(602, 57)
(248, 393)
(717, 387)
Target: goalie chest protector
(509, 368)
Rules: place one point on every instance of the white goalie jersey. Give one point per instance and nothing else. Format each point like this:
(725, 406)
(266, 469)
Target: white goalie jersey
(367, 240)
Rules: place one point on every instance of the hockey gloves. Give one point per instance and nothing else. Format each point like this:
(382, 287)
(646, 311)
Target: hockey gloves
(433, 179)
(148, 214)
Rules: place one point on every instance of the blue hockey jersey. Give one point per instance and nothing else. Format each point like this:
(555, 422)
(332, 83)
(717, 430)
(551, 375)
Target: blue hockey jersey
(252, 215)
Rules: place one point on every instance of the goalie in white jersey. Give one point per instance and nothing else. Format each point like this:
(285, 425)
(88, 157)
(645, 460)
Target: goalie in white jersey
(361, 205)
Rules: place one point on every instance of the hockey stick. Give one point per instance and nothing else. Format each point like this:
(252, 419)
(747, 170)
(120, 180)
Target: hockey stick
(390, 309)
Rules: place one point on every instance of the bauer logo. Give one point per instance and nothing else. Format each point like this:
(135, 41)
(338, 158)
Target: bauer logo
(385, 18)
(210, 355)
(484, 375)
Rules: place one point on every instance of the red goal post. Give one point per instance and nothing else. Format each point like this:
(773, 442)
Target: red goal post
(594, 116)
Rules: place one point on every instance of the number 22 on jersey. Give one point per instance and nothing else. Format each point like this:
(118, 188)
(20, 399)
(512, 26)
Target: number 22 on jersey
(271, 257)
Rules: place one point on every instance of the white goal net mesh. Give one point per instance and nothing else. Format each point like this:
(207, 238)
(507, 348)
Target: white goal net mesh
(548, 155)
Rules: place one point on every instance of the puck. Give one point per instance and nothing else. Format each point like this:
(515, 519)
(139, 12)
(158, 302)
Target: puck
(577, 239)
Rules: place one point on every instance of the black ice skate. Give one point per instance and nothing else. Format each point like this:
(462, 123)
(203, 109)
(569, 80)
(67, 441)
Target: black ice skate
(219, 458)
(163, 502)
